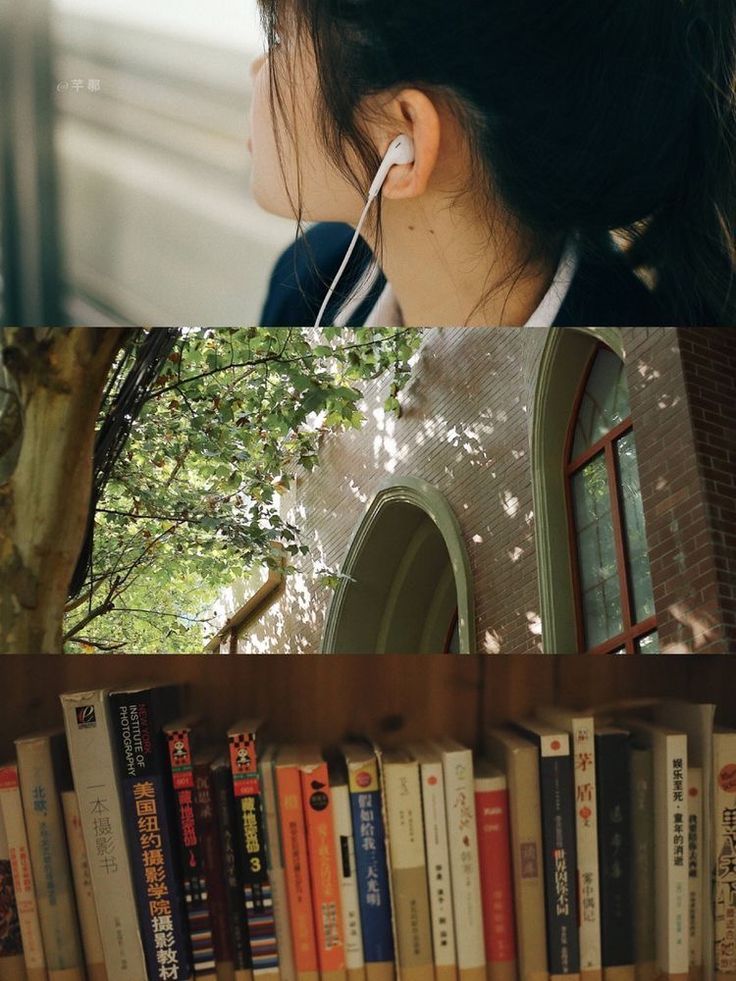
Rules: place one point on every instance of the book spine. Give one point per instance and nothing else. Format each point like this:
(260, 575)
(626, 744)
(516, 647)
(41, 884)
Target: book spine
(494, 857)
(463, 840)
(49, 859)
(615, 847)
(191, 859)
(89, 738)
(586, 844)
(252, 852)
(11, 810)
(670, 760)
(296, 866)
(642, 822)
(326, 905)
(558, 835)
(227, 826)
(438, 867)
(11, 944)
(724, 850)
(695, 867)
(88, 925)
(370, 863)
(408, 870)
(345, 850)
(276, 873)
(146, 812)
(206, 821)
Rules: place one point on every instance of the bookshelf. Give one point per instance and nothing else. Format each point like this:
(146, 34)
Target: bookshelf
(394, 698)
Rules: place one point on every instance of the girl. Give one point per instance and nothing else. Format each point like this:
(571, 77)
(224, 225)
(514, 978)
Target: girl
(574, 160)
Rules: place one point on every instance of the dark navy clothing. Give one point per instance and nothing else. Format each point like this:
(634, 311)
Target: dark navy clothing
(604, 291)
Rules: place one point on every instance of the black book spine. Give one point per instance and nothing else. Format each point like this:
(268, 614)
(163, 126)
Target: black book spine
(615, 848)
(147, 811)
(560, 863)
(225, 804)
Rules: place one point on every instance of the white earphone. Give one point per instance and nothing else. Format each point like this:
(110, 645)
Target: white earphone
(401, 151)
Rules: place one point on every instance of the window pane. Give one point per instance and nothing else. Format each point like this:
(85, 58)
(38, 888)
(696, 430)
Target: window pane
(605, 403)
(648, 644)
(601, 596)
(634, 529)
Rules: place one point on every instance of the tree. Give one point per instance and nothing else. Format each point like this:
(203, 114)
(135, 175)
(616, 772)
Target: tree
(52, 385)
(192, 501)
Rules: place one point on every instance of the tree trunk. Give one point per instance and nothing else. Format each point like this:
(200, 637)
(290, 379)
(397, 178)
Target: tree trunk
(60, 375)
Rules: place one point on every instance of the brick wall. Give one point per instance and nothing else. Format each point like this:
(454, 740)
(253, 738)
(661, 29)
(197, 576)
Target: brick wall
(465, 428)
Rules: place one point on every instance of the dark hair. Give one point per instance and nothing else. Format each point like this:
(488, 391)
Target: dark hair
(586, 116)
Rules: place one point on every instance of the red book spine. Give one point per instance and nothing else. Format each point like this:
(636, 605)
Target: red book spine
(494, 851)
(214, 867)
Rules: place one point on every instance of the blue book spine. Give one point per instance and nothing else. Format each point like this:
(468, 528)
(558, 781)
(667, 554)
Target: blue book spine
(151, 832)
(370, 862)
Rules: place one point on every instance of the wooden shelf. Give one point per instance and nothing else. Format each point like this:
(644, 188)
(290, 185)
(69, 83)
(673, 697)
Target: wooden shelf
(392, 698)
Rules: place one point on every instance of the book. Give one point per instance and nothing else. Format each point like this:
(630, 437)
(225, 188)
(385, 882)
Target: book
(11, 810)
(432, 782)
(12, 966)
(696, 720)
(407, 865)
(615, 848)
(325, 884)
(457, 768)
(86, 906)
(371, 864)
(669, 760)
(243, 740)
(724, 851)
(87, 721)
(695, 871)
(275, 857)
(182, 737)
(42, 762)
(292, 827)
(519, 760)
(138, 716)
(205, 816)
(581, 728)
(222, 783)
(558, 836)
(642, 829)
(494, 859)
(345, 850)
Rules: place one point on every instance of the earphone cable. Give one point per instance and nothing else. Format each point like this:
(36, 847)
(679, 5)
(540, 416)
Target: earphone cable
(343, 267)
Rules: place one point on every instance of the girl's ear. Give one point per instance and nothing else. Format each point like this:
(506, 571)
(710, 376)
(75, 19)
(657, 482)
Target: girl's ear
(414, 113)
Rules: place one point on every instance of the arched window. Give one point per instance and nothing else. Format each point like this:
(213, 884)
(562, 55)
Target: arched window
(613, 586)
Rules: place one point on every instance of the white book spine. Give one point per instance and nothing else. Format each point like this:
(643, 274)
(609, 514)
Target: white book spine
(673, 946)
(276, 874)
(724, 849)
(438, 863)
(86, 906)
(695, 864)
(345, 851)
(20, 863)
(87, 721)
(464, 864)
(586, 840)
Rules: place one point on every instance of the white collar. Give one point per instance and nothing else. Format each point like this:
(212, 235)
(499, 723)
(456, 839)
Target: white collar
(387, 313)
